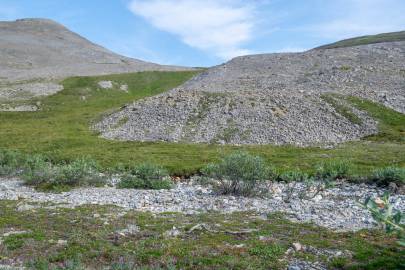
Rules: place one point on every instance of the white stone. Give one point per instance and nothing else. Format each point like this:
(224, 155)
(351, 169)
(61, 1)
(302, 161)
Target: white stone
(105, 84)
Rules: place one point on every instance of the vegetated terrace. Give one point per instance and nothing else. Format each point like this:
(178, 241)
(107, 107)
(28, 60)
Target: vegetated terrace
(61, 129)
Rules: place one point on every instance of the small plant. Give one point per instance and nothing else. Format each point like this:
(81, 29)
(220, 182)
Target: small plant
(292, 176)
(267, 251)
(333, 170)
(382, 211)
(146, 176)
(238, 174)
(9, 162)
(385, 176)
(315, 186)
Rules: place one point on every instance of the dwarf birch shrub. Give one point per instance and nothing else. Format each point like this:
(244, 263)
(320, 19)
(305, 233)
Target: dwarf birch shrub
(10, 162)
(42, 173)
(333, 170)
(146, 176)
(37, 171)
(238, 174)
(81, 172)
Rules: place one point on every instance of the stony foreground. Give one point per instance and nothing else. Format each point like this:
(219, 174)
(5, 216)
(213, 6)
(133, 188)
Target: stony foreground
(337, 208)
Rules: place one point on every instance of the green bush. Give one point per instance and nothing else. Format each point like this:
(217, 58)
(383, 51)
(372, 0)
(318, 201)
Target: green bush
(81, 172)
(10, 162)
(41, 173)
(333, 170)
(292, 176)
(146, 176)
(238, 174)
(385, 176)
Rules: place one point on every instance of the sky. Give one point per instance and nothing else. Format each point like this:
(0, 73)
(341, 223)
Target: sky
(204, 33)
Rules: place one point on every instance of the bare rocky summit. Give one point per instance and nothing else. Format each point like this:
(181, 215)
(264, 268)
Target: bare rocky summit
(287, 98)
(36, 53)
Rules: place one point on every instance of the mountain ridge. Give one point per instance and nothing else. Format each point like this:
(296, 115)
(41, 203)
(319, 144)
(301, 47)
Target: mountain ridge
(36, 53)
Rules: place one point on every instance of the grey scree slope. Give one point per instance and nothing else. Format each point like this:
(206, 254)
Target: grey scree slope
(270, 99)
(34, 53)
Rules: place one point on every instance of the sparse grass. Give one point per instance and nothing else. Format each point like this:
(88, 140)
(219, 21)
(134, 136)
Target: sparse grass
(334, 170)
(342, 109)
(293, 176)
(61, 132)
(391, 123)
(91, 243)
(385, 176)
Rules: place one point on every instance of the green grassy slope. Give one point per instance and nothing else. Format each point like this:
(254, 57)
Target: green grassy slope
(386, 37)
(61, 130)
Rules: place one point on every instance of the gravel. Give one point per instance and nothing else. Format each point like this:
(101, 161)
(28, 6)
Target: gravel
(337, 208)
(271, 99)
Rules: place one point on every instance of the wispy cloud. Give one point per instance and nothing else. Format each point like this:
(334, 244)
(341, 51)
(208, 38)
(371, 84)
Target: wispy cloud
(221, 27)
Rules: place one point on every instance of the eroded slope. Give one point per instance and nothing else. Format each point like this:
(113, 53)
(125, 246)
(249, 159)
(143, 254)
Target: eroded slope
(293, 98)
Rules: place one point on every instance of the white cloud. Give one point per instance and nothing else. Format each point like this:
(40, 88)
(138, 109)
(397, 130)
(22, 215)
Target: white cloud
(218, 26)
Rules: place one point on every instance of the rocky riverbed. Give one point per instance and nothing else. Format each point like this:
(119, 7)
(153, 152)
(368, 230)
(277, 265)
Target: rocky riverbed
(336, 208)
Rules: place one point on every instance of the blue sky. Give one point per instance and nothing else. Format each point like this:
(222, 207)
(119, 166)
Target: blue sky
(209, 32)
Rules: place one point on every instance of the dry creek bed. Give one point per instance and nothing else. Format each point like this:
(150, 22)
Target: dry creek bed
(336, 208)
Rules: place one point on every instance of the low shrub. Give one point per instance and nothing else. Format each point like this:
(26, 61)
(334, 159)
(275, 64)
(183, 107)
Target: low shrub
(333, 170)
(146, 176)
(10, 162)
(385, 176)
(81, 172)
(43, 174)
(238, 174)
(292, 176)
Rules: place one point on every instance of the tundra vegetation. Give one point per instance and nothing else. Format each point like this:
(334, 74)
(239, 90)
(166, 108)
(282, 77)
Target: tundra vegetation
(60, 130)
(54, 149)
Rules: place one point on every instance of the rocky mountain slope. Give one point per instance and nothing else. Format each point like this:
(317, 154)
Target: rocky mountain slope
(287, 98)
(34, 53)
(364, 40)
